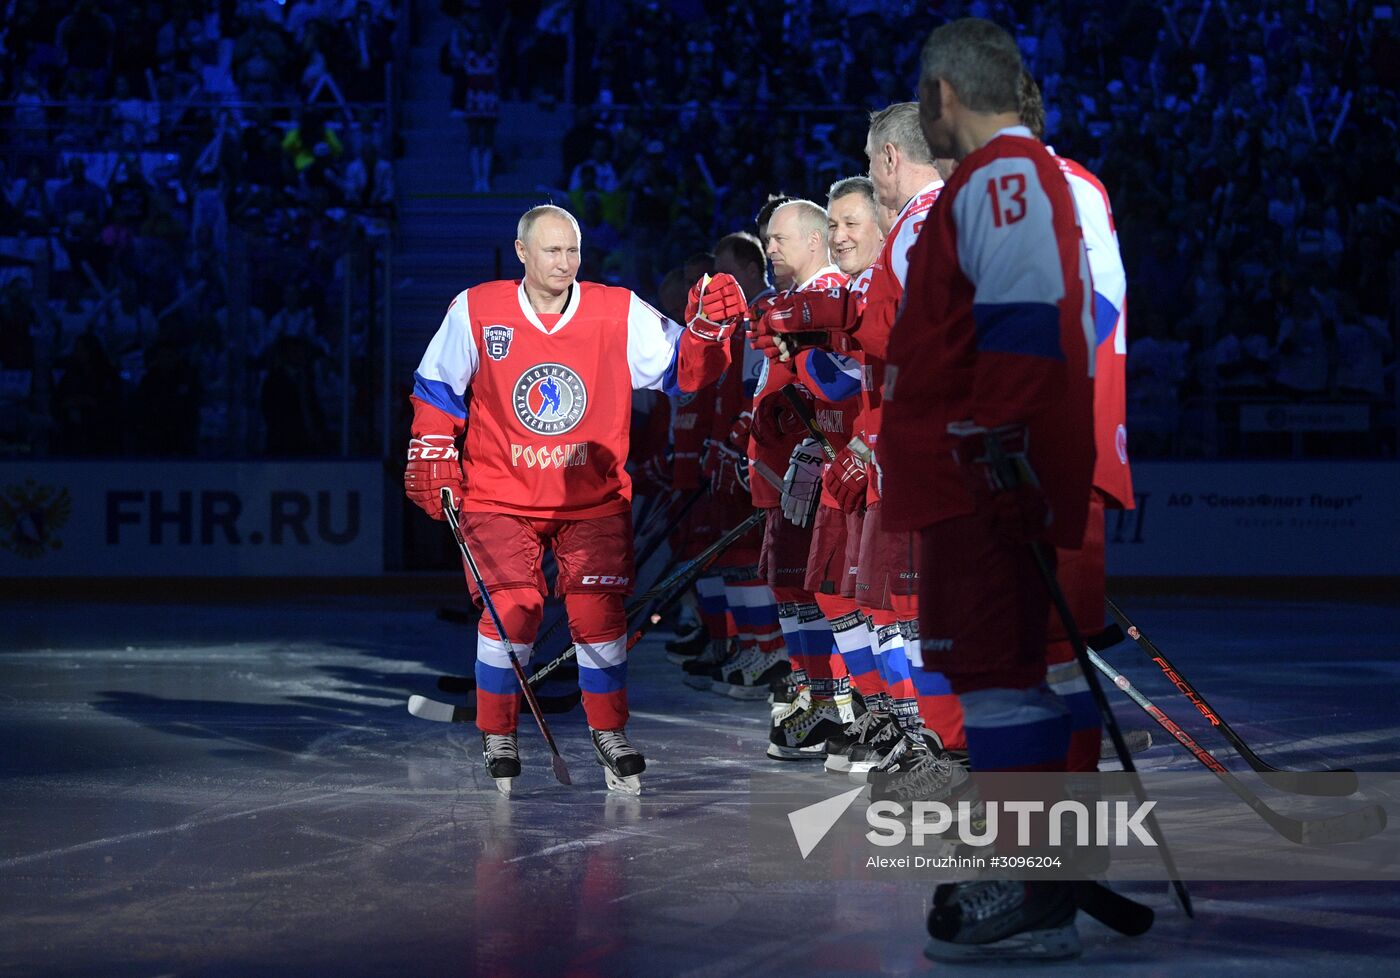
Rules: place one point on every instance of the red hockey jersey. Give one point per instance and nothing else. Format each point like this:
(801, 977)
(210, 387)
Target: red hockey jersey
(996, 329)
(550, 396)
(882, 301)
(774, 376)
(1111, 472)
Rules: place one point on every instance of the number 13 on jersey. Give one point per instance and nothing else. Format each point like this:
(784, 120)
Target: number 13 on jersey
(1012, 188)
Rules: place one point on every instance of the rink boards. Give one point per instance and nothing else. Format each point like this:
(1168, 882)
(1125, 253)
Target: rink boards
(326, 518)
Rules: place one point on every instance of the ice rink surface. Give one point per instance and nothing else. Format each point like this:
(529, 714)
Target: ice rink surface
(237, 790)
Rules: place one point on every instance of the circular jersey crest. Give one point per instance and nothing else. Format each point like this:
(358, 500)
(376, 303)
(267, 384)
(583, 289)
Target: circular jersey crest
(549, 399)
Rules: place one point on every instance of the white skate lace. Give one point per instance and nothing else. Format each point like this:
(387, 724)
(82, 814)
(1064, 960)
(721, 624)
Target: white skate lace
(862, 725)
(747, 664)
(928, 775)
(803, 722)
(899, 753)
(614, 743)
(501, 745)
(987, 898)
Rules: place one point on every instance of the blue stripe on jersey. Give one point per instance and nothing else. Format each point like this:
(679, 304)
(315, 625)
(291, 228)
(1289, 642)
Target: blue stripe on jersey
(440, 395)
(608, 680)
(832, 382)
(1105, 318)
(494, 679)
(1029, 328)
(670, 380)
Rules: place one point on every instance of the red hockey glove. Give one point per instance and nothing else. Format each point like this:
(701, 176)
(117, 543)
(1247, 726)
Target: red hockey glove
(433, 463)
(849, 477)
(715, 306)
(800, 320)
(738, 436)
(775, 419)
(1004, 487)
(726, 468)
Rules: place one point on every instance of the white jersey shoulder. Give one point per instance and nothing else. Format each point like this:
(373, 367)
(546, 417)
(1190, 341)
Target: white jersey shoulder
(651, 343)
(907, 227)
(1006, 234)
(451, 360)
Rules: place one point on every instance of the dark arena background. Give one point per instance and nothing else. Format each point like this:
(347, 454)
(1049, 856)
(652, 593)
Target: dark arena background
(229, 230)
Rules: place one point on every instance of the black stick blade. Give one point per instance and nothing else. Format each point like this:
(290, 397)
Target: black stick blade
(1337, 783)
(1113, 910)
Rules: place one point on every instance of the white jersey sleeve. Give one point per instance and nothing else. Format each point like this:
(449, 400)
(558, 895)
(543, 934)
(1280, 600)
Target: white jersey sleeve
(1007, 249)
(1105, 261)
(904, 237)
(449, 363)
(651, 344)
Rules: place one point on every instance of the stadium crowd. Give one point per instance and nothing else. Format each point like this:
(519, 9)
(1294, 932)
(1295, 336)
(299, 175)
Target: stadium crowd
(181, 184)
(1249, 150)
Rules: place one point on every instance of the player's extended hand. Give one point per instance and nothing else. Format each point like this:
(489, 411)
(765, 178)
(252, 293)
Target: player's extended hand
(1004, 487)
(715, 306)
(433, 463)
(847, 480)
(799, 320)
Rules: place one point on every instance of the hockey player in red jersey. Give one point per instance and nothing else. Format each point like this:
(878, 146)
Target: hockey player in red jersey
(538, 375)
(907, 180)
(798, 248)
(830, 499)
(740, 661)
(990, 361)
(1080, 570)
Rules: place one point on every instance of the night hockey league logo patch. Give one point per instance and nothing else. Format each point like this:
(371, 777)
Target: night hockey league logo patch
(549, 399)
(497, 341)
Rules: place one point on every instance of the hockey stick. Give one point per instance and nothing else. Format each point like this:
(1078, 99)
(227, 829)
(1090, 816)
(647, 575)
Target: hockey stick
(676, 584)
(466, 684)
(1123, 914)
(804, 411)
(654, 511)
(1011, 475)
(655, 543)
(1334, 782)
(427, 709)
(1349, 827)
(449, 509)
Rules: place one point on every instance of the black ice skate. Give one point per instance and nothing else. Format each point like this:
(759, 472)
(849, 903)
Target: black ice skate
(839, 746)
(918, 770)
(622, 763)
(750, 675)
(502, 759)
(704, 669)
(801, 736)
(687, 644)
(1003, 920)
(874, 746)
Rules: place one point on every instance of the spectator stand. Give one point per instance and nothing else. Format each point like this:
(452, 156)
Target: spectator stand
(187, 240)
